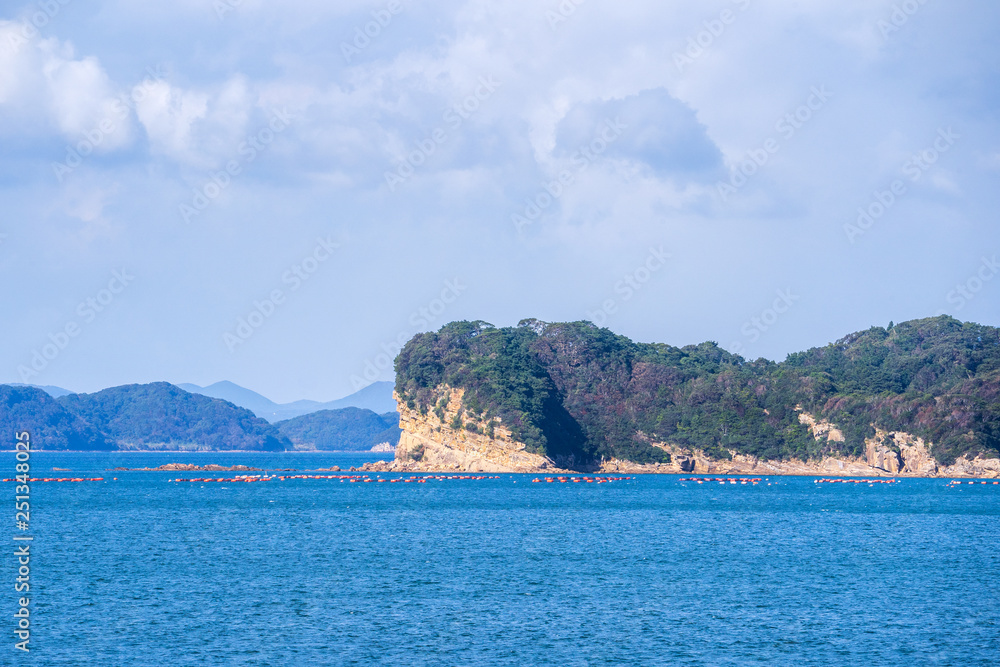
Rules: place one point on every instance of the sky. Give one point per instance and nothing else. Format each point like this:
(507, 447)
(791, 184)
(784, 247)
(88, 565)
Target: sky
(281, 194)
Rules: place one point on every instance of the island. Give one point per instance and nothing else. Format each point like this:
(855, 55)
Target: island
(918, 398)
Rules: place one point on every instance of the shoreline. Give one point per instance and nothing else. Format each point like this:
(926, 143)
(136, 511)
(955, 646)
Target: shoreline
(713, 468)
(199, 451)
(416, 468)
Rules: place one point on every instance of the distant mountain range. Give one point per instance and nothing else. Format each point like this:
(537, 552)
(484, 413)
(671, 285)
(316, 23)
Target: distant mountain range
(162, 416)
(376, 397)
(51, 390)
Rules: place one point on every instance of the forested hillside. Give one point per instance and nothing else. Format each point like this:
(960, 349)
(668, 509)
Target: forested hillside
(575, 389)
(150, 416)
(146, 415)
(51, 426)
(346, 429)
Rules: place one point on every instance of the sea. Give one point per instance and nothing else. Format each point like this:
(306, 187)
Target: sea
(650, 570)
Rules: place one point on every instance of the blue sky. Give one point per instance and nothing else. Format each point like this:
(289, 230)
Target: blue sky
(278, 195)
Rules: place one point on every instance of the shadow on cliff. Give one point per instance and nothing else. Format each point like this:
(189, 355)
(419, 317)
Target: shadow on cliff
(566, 441)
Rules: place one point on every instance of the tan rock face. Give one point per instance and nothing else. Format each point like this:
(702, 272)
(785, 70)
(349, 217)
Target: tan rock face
(899, 452)
(882, 457)
(821, 430)
(888, 453)
(432, 443)
(977, 467)
(696, 461)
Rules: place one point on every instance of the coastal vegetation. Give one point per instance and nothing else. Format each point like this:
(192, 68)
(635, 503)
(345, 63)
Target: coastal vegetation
(574, 389)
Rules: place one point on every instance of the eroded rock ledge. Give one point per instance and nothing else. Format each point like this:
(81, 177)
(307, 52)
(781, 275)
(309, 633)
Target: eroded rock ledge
(429, 443)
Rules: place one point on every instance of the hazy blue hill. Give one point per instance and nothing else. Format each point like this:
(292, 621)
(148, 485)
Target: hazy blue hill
(161, 414)
(575, 389)
(51, 390)
(25, 408)
(235, 394)
(346, 429)
(376, 397)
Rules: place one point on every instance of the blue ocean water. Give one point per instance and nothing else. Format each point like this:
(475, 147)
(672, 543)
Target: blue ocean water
(143, 571)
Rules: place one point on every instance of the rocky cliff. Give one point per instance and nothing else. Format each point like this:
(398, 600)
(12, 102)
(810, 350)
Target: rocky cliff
(431, 442)
(440, 440)
(583, 395)
(887, 453)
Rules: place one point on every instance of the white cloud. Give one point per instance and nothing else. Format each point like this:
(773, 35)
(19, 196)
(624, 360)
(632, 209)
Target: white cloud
(354, 120)
(197, 128)
(167, 114)
(87, 204)
(44, 87)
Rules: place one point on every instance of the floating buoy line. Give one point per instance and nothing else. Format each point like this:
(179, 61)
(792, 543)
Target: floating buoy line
(60, 479)
(724, 480)
(562, 479)
(856, 481)
(590, 480)
(343, 478)
(958, 482)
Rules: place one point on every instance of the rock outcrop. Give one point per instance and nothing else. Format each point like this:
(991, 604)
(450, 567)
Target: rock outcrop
(977, 467)
(429, 442)
(821, 430)
(900, 453)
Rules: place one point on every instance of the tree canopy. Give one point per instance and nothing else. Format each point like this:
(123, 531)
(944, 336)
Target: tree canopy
(573, 389)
